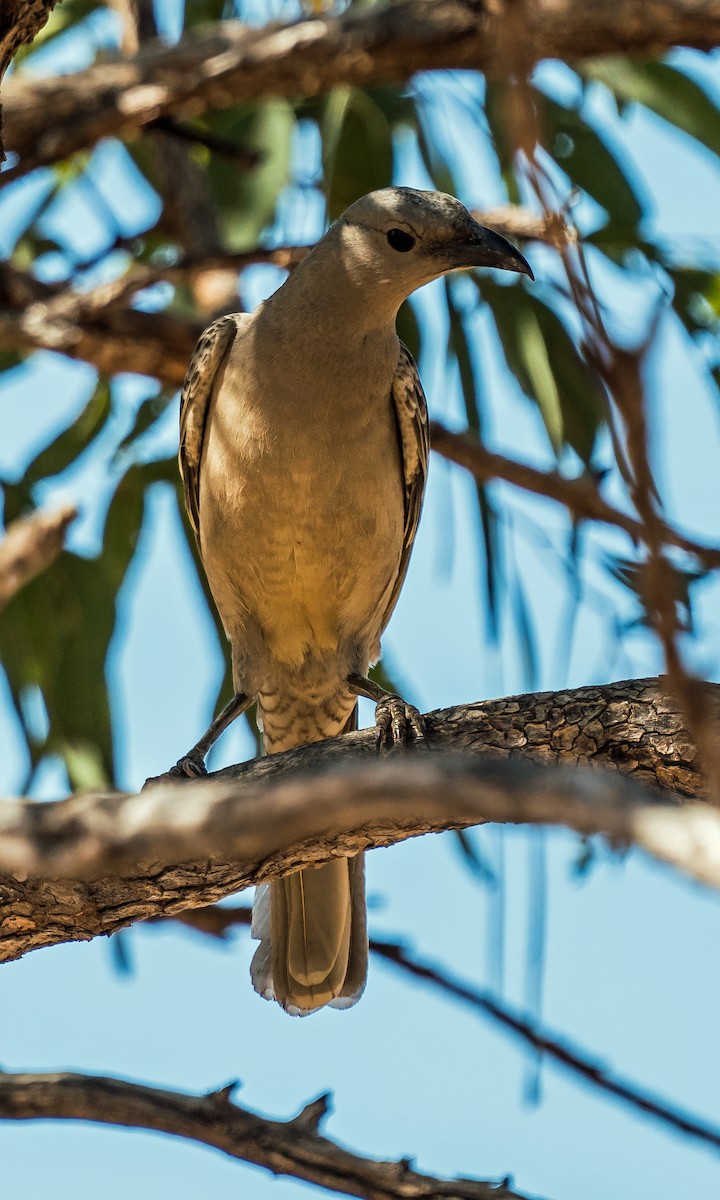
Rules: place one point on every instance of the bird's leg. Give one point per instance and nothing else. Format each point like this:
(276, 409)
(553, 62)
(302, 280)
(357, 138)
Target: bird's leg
(393, 715)
(192, 764)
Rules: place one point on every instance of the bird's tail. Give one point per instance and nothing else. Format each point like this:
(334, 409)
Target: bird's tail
(312, 929)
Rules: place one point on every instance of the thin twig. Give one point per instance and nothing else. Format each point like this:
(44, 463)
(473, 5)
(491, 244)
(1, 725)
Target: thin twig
(580, 495)
(217, 921)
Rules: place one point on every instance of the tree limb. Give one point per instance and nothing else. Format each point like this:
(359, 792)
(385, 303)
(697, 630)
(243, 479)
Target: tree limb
(99, 327)
(20, 21)
(295, 1148)
(30, 546)
(230, 63)
(581, 496)
(217, 921)
(92, 865)
(35, 315)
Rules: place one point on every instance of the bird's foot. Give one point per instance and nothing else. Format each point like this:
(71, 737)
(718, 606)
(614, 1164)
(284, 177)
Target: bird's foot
(187, 767)
(394, 720)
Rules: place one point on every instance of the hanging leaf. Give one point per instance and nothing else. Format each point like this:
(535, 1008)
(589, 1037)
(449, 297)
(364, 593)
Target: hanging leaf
(498, 99)
(548, 366)
(55, 634)
(491, 542)
(696, 298)
(247, 198)
(666, 91)
(678, 580)
(150, 411)
(435, 162)
(589, 162)
(357, 151)
(409, 330)
(9, 359)
(203, 12)
(397, 106)
(67, 446)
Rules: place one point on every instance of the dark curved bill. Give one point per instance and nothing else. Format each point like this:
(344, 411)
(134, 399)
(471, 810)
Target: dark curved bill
(485, 248)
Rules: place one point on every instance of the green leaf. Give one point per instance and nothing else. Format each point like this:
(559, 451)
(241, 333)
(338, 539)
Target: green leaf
(150, 411)
(9, 359)
(435, 163)
(357, 150)
(696, 298)
(679, 581)
(247, 199)
(472, 396)
(409, 330)
(539, 373)
(55, 634)
(203, 12)
(498, 99)
(589, 162)
(549, 367)
(666, 91)
(65, 448)
(397, 106)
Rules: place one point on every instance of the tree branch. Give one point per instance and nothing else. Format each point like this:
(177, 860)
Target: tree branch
(30, 546)
(229, 64)
(581, 496)
(92, 865)
(36, 315)
(99, 327)
(295, 1148)
(563, 1054)
(20, 21)
(217, 920)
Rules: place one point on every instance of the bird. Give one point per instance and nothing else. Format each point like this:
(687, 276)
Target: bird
(303, 453)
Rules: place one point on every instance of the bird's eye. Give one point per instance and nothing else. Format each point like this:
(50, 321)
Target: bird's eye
(400, 240)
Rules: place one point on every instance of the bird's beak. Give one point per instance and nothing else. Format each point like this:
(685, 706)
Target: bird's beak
(483, 247)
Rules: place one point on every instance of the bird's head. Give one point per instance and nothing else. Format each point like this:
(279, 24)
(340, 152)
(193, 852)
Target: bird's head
(399, 238)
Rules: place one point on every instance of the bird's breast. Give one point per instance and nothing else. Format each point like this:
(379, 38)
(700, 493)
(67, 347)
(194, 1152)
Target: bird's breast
(301, 504)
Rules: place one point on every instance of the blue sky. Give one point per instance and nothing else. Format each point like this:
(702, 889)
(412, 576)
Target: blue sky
(631, 967)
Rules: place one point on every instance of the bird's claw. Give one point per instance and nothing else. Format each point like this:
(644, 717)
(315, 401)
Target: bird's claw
(394, 718)
(186, 767)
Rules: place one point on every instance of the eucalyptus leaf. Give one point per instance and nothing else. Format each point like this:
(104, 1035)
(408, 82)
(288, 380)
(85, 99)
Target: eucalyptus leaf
(357, 151)
(665, 90)
(474, 411)
(55, 635)
(587, 159)
(68, 445)
(548, 366)
(247, 197)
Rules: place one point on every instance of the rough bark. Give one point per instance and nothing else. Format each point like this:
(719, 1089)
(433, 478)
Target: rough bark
(295, 1148)
(92, 865)
(49, 119)
(30, 546)
(20, 21)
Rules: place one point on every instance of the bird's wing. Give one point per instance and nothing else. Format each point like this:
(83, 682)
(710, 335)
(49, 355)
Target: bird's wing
(411, 416)
(207, 360)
